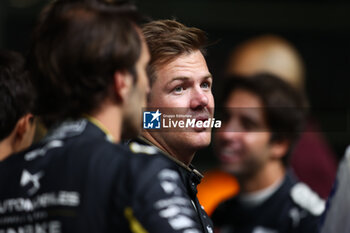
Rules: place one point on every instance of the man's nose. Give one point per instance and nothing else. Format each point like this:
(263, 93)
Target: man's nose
(199, 99)
(231, 130)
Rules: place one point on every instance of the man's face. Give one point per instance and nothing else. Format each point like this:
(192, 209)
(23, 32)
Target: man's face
(243, 143)
(184, 85)
(138, 95)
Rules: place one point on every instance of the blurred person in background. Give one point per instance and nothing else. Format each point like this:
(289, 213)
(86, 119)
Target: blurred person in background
(17, 96)
(312, 159)
(269, 54)
(262, 119)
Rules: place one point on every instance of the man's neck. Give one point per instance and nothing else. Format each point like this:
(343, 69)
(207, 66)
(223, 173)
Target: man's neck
(256, 198)
(266, 177)
(6, 148)
(109, 118)
(181, 154)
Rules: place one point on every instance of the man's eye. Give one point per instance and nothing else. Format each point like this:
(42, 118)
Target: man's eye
(205, 85)
(178, 89)
(250, 125)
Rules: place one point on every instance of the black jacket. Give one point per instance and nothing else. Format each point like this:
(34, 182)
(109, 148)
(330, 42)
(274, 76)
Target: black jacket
(164, 192)
(63, 184)
(293, 208)
(77, 181)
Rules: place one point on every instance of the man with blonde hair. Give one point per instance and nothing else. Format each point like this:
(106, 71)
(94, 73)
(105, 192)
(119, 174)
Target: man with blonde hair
(180, 85)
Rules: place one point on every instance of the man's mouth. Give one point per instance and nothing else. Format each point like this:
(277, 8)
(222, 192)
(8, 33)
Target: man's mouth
(200, 119)
(229, 155)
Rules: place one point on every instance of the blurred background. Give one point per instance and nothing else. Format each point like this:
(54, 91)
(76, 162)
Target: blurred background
(320, 31)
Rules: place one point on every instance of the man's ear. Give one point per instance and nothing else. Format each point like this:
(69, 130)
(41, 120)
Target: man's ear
(122, 84)
(279, 148)
(23, 124)
(24, 132)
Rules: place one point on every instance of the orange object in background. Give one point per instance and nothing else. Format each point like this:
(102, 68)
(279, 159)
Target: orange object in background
(215, 187)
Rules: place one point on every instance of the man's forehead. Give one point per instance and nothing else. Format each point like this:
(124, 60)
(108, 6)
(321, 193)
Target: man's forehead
(242, 98)
(243, 103)
(182, 74)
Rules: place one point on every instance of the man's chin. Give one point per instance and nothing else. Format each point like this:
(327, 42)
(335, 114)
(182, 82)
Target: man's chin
(201, 142)
(229, 169)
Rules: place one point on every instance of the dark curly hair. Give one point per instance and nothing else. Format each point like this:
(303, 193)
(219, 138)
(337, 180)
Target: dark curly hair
(76, 49)
(17, 95)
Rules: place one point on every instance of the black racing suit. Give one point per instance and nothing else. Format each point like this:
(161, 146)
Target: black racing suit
(77, 181)
(63, 184)
(292, 208)
(164, 192)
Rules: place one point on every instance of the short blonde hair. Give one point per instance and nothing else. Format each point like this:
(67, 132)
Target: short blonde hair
(168, 39)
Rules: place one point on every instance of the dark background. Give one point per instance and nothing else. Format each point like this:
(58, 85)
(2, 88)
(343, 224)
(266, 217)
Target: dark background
(320, 30)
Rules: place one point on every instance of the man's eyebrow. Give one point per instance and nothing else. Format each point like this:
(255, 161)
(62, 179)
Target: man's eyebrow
(180, 78)
(209, 76)
(184, 78)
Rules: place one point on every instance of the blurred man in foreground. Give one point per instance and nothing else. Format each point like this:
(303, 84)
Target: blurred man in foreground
(89, 69)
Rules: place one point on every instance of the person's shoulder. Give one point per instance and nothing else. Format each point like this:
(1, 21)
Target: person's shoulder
(306, 208)
(147, 154)
(142, 149)
(86, 137)
(306, 199)
(76, 142)
(147, 163)
(149, 159)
